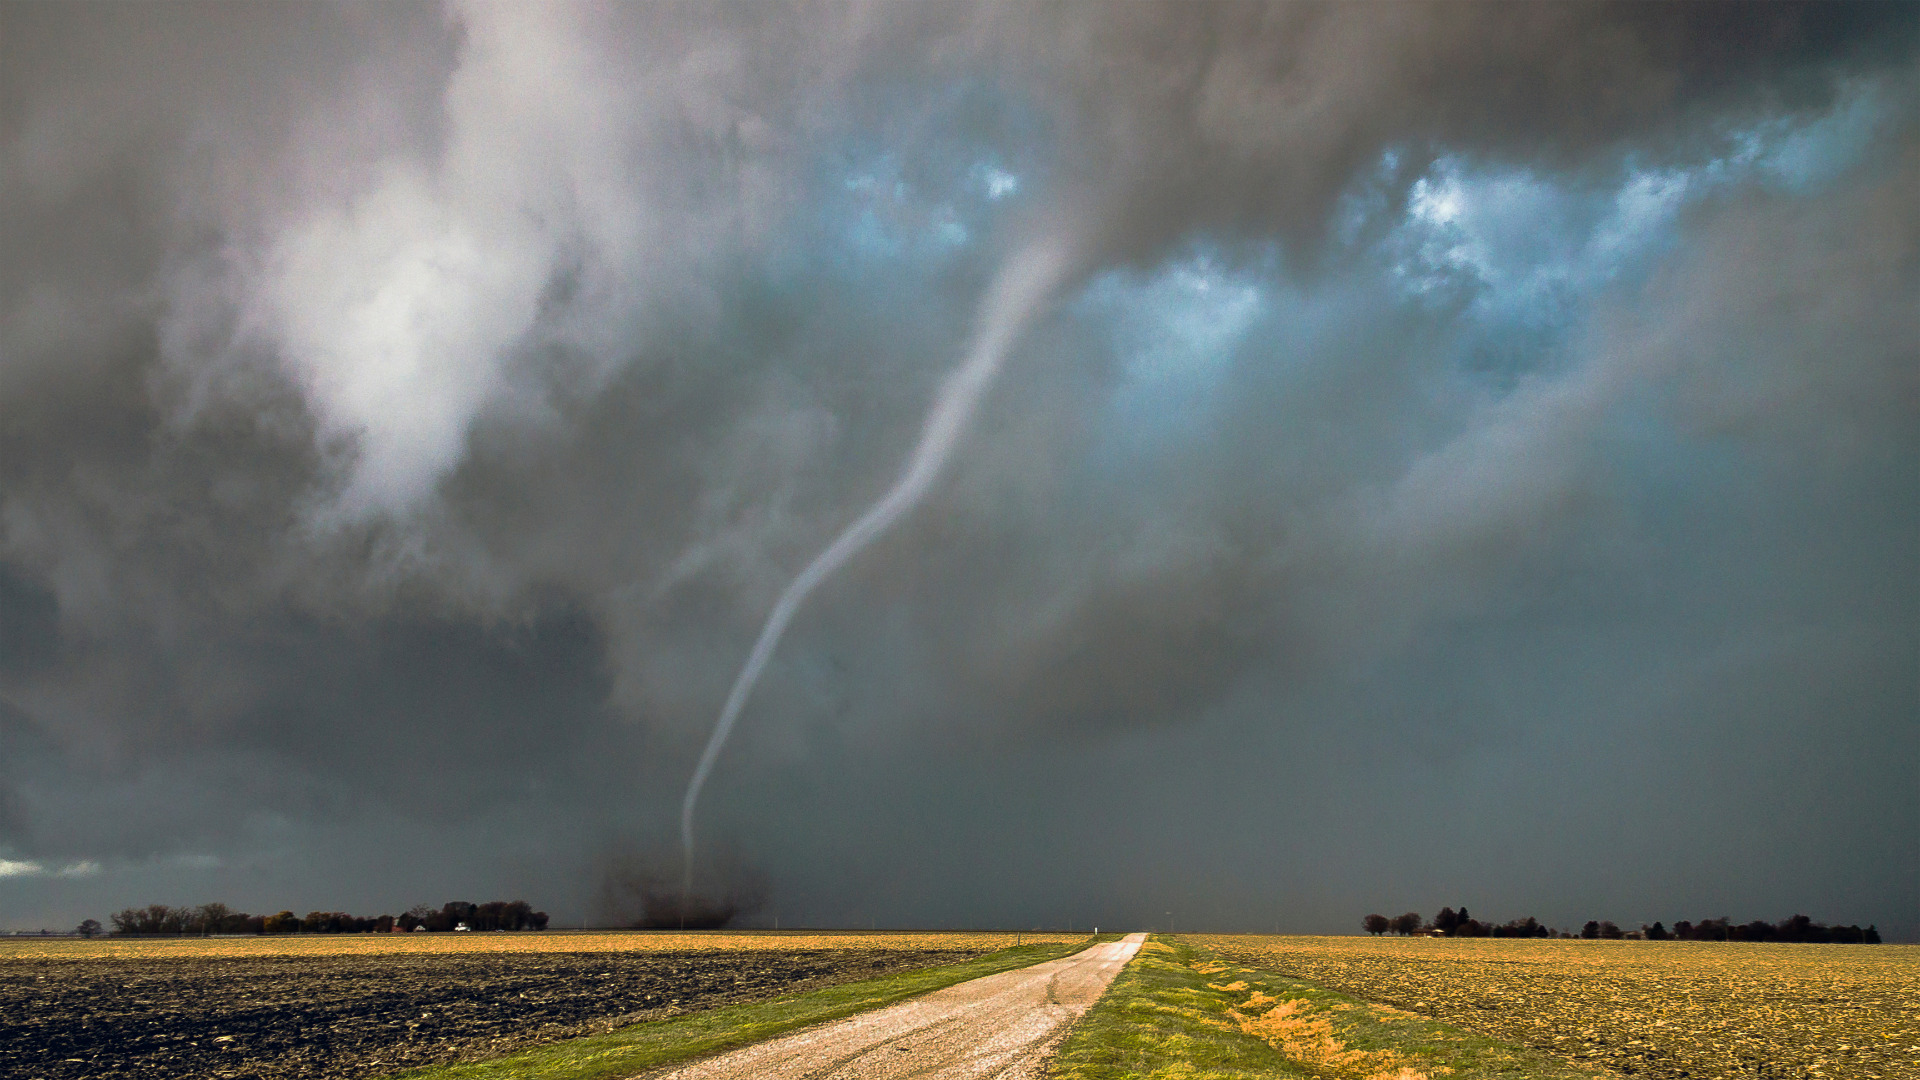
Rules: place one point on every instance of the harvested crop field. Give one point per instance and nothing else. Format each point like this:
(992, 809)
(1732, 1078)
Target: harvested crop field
(1664, 1010)
(362, 1005)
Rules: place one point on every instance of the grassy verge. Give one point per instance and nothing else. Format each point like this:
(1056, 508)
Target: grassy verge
(1177, 1011)
(664, 1042)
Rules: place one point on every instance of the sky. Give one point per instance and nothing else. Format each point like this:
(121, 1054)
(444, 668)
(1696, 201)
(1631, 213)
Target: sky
(1456, 455)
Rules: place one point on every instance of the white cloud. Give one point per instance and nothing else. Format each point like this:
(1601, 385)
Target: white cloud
(34, 868)
(407, 308)
(396, 316)
(1000, 183)
(1182, 324)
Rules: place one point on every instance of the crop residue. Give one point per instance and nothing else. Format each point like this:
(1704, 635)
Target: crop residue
(1660, 1010)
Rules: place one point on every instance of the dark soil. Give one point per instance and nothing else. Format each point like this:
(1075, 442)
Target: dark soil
(321, 1018)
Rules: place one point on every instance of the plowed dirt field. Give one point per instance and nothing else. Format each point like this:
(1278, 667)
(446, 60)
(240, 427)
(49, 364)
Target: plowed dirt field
(1664, 1010)
(341, 1006)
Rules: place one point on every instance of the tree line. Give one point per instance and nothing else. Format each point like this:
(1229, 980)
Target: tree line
(216, 918)
(1799, 928)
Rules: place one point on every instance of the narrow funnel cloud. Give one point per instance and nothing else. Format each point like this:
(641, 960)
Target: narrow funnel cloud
(1017, 293)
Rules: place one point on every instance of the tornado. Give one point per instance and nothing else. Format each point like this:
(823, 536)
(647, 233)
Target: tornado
(1016, 295)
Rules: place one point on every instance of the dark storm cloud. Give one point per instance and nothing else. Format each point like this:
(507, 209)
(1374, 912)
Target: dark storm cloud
(1253, 119)
(1459, 415)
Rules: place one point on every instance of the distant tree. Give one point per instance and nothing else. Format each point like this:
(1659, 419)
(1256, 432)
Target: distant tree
(1609, 931)
(1528, 927)
(152, 919)
(451, 914)
(217, 918)
(1591, 930)
(1871, 935)
(1406, 924)
(1798, 928)
(1376, 924)
(1713, 930)
(88, 928)
(1682, 930)
(1656, 932)
(239, 922)
(502, 915)
(1459, 923)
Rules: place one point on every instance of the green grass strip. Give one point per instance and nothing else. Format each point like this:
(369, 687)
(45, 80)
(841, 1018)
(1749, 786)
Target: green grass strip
(1179, 1012)
(681, 1038)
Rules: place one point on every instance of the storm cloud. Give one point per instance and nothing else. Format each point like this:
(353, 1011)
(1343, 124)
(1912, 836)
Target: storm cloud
(1471, 458)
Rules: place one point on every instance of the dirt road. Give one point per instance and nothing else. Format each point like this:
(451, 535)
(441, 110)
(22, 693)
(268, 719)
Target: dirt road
(1002, 1026)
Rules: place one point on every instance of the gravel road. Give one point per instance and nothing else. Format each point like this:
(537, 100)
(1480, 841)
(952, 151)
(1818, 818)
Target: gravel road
(1001, 1026)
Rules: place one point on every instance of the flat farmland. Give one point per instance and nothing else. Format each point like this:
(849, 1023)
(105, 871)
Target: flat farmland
(363, 1005)
(1664, 1010)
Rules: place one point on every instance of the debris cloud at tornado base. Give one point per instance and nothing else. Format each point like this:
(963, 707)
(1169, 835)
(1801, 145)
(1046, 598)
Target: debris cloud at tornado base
(645, 888)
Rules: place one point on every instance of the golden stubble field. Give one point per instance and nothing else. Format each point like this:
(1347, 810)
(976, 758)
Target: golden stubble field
(545, 941)
(1666, 1010)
